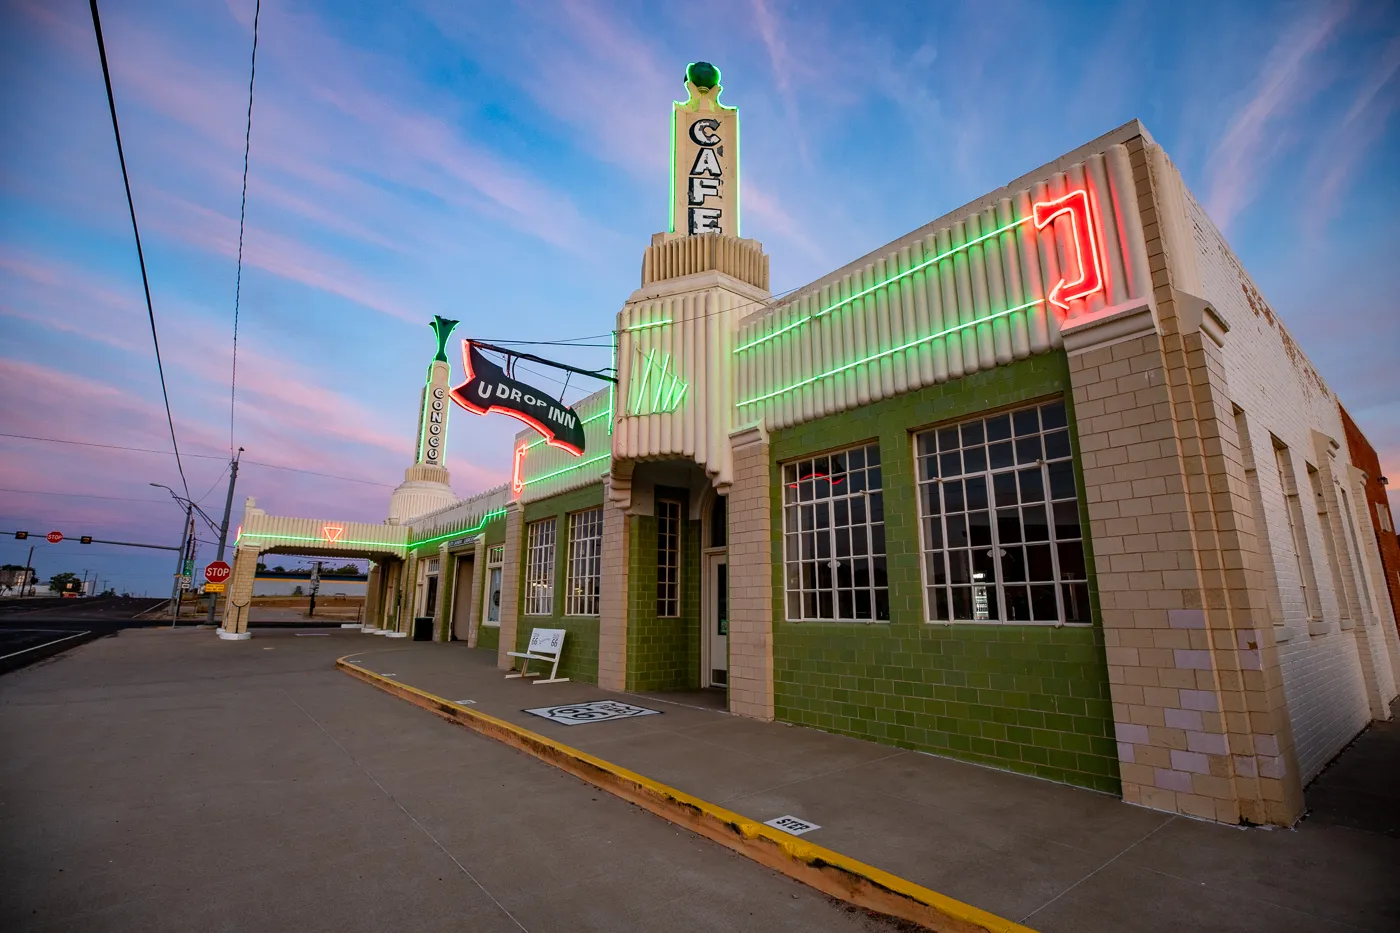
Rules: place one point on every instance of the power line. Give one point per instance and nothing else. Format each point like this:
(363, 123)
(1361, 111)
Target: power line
(140, 254)
(242, 215)
(78, 495)
(150, 450)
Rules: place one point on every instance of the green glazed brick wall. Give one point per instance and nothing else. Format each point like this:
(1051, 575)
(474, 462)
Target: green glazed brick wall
(489, 637)
(580, 658)
(1029, 698)
(662, 654)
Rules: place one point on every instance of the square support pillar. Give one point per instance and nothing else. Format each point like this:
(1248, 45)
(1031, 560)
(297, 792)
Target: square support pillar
(612, 603)
(234, 624)
(510, 584)
(751, 576)
(447, 585)
(374, 597)
(478, 584)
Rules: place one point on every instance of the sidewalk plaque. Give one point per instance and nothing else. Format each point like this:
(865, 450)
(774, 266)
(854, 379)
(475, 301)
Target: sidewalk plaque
(598, 711)
(791, 824)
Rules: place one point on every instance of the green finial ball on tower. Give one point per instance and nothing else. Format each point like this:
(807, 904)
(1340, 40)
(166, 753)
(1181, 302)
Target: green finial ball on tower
(703, 75)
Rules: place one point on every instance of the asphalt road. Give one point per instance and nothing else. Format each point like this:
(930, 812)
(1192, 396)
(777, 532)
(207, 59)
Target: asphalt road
(165, 780)
(33, 629)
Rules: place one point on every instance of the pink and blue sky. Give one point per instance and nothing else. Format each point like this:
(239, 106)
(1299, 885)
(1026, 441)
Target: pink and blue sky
(504, 164)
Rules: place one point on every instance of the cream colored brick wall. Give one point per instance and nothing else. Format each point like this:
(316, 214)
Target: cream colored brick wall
(751, 578)
(1324, 670)
(612, 603)
(510, 585)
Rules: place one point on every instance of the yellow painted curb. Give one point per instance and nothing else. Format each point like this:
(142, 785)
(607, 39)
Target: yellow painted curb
(830, 872)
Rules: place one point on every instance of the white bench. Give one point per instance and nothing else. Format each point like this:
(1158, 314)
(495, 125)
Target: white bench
(546, 644)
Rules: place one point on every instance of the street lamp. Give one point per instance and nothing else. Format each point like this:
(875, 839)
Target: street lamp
(181, 557)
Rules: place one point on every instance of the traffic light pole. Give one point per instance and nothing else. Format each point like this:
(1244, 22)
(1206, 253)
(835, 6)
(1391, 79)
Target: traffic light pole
(223, 528)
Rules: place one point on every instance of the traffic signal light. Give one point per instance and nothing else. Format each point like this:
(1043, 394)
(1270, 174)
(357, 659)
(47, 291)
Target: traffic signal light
(85, 539)
(21, 535)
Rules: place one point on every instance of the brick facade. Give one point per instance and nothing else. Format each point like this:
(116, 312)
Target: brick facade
(1377, 507)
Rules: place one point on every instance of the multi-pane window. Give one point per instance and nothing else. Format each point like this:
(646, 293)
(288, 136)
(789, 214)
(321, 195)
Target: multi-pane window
(539, 568)
(668, 558)
(585, 563)
(834, 537)
(495, 562)
(1000, 520)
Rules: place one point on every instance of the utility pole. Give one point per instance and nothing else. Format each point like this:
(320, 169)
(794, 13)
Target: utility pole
(180, 559)
(315, 585)
(223, 528)
(28, 573)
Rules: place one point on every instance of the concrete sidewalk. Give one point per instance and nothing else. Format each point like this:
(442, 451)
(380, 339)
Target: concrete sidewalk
(1053, 857)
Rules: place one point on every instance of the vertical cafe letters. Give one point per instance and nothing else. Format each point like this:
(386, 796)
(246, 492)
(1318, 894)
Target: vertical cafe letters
(706, 178)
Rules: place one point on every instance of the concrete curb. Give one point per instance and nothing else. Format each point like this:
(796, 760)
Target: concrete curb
(830, 872)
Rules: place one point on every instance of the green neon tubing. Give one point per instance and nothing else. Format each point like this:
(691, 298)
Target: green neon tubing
(879, 285)
(672, 209)
(321, 539)
(661, 382)
(875, 356)
(568, 469)
(652, 324)
(485, 520)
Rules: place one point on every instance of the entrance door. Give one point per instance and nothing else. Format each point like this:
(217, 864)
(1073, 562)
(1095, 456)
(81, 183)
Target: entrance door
(717, 620)
(461, 602)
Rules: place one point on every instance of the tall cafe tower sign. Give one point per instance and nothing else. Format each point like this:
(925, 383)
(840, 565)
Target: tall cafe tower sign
(704, 158)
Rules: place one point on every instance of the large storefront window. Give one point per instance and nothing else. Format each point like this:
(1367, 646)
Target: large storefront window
(585, 563)
(495, 563)
(668, 559)
(1000, 520)
(834, 537)
(539, 568)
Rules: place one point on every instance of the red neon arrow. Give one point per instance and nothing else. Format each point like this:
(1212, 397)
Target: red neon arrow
(332, 532)
(517, 478)
(1090, 280)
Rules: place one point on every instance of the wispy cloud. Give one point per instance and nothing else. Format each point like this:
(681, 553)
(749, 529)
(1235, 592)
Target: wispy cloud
(1363, 124)
(1250, 140)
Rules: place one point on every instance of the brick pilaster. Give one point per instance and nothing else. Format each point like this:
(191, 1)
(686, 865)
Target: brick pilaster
(751, 577)
(374, 597)
(1194, 673)
(612, 603)
(510, 584)
(478, 584)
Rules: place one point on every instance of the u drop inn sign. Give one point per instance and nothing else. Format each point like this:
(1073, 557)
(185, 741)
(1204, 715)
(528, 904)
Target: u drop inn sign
(488, 388)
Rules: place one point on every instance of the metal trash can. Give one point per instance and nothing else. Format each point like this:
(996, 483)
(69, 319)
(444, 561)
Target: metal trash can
(423, 628)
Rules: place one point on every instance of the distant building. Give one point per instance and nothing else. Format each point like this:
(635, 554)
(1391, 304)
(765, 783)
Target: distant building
(272, 583)
(1376, 507)
(14, 580)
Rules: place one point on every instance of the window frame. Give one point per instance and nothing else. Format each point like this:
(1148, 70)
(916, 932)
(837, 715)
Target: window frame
(577, 604)
(668, 604)
(540, 556)
(997, 548)
(878, 595)
(495, 563)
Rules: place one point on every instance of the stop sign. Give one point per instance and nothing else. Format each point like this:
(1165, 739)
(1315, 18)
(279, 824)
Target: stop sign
(217, 572)
(54, 537)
